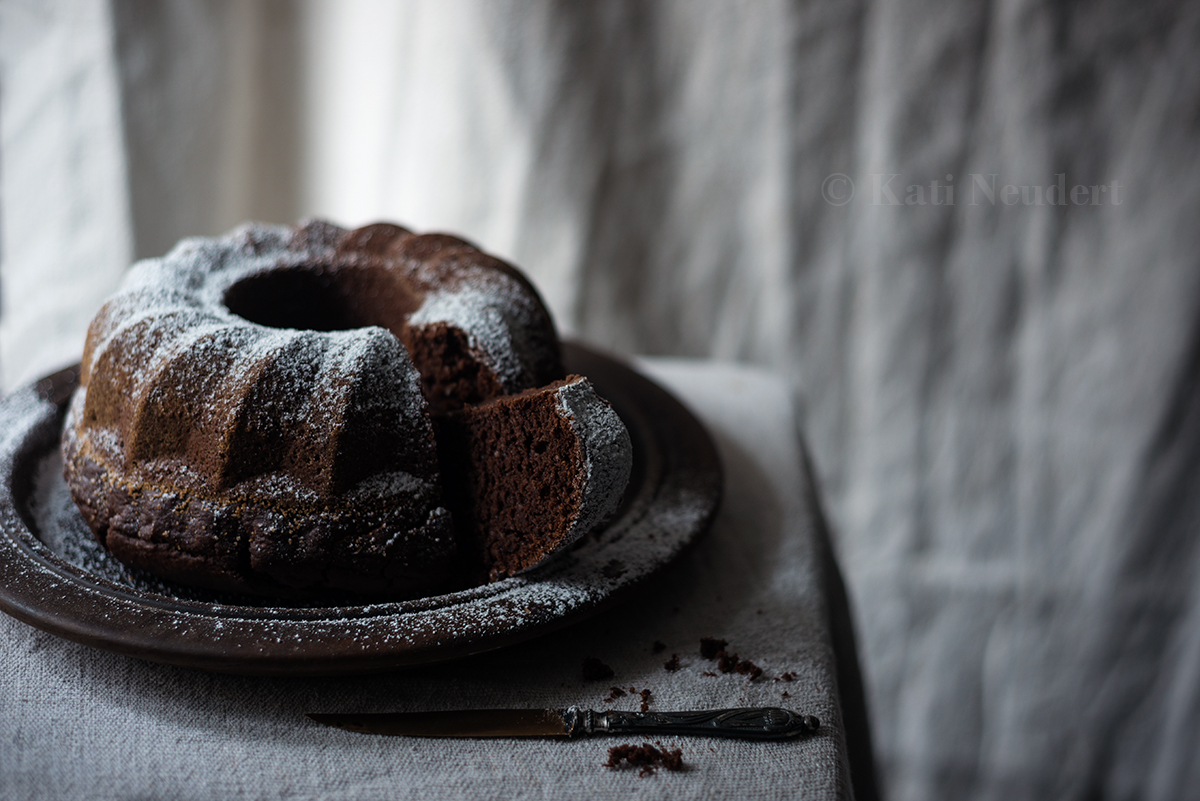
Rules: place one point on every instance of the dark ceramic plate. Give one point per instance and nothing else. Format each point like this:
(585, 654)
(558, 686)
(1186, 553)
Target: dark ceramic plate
(54, 576)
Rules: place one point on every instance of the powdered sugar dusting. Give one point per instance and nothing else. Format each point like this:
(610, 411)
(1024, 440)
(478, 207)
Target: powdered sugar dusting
(607, 453)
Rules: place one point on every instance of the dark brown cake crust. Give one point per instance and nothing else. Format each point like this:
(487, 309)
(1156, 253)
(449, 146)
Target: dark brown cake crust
(257, 415)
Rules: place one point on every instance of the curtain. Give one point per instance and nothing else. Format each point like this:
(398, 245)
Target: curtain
(966, 231)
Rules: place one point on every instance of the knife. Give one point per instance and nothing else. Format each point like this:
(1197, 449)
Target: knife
(759, 723)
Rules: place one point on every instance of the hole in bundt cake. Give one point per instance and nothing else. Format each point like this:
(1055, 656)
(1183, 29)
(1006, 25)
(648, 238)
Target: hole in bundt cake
(322, 298)
(301, 299)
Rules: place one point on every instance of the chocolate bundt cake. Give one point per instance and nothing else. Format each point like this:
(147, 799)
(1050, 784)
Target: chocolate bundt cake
(288, 411)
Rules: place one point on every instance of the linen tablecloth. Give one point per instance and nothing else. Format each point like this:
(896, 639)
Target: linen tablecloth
(81, 723)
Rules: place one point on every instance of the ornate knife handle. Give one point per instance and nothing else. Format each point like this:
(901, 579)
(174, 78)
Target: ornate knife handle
(762, 723)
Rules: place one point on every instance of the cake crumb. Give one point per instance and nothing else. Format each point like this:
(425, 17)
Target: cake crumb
(646, 699)
(786, 694)
(672, 664)
(788, 676)
(613, 694)
(595, 670)
(726, 662)
(709, 673)
(645, 757)
(748, 668)
(713, 648)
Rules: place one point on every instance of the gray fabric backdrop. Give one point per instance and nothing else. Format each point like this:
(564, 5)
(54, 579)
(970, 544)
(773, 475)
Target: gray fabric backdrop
(1000, 386)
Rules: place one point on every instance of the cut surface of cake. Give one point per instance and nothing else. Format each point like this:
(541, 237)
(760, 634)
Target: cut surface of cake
(264, 412)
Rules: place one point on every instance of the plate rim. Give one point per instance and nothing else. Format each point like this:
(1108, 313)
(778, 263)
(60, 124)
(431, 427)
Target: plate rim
(68, 601)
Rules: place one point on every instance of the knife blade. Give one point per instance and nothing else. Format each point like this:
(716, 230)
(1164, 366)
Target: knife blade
(749, 723)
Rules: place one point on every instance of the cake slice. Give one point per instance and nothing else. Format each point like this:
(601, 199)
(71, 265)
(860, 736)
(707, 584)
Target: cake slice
(529, 474)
